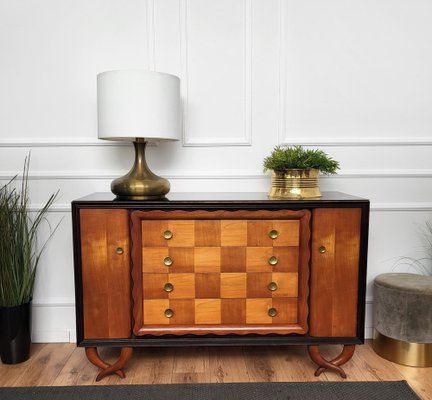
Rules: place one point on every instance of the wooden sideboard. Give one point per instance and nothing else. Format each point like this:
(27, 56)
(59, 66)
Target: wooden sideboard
(220, 269)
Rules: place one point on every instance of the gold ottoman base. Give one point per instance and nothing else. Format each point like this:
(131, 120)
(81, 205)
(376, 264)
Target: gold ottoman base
(401, 352)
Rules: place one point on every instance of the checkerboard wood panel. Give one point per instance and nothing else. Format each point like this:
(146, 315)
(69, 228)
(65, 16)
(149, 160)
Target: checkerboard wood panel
(227, 275)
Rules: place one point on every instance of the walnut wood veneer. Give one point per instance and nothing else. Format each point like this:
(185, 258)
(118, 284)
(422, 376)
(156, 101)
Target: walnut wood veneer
(226, 269)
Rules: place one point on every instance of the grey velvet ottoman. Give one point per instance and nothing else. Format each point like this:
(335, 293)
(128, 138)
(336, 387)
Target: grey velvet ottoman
(403, 318)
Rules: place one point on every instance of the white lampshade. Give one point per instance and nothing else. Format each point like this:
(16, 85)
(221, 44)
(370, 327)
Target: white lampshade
(138, 104)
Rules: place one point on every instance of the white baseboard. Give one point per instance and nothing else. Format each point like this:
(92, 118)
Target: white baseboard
(60, 318)
(57, 336)
(53, 322)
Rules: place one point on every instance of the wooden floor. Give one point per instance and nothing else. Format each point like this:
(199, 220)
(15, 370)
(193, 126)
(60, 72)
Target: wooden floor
(64, 364)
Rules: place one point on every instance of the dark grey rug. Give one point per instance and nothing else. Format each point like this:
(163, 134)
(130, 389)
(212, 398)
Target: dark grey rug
(398, 390)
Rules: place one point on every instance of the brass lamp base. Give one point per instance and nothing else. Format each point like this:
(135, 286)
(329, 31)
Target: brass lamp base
(140, 183)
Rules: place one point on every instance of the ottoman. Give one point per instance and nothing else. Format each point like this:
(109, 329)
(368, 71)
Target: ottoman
(403, 318)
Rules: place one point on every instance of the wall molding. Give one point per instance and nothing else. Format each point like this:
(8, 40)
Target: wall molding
(69, 336)
(391, 141)
(151, 43)
(291, 138)
(92, 175)
(375, 207)
(54, 334)
(282, 100)
(412, 206)
(67, 142)
(246, 138)
(56, 304)
(335, 142)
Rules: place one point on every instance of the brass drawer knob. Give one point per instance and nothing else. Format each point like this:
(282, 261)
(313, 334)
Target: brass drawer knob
(168, 287)
(119, 251)
(322, 249)
(168, 235)
(272, 312)
(169, 313)
(273, 234)
(272, 286)
(273, 260)
(168, 261)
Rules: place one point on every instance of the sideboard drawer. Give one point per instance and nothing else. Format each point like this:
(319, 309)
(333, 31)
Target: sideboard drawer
(220, 311)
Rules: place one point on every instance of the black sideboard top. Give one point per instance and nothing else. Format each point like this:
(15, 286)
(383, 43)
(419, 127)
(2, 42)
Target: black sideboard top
(189, 199)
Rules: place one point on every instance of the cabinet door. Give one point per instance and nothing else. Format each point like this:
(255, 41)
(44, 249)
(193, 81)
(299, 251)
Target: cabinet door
(335, 254)
(105, 273)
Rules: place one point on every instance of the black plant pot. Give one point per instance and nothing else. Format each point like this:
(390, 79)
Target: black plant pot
(15, 333)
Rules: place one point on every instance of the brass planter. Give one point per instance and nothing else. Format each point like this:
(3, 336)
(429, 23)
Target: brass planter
(295, 184)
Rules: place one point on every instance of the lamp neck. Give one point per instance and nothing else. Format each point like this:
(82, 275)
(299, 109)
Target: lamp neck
(140, 167)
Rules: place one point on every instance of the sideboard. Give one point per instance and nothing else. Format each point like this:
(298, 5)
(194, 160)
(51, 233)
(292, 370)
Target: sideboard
(200, 269)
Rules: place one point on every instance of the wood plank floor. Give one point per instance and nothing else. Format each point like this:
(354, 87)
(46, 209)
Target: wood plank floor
(64, 364)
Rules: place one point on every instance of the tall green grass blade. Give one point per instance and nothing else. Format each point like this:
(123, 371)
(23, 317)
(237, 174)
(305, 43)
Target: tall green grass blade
(19, 227)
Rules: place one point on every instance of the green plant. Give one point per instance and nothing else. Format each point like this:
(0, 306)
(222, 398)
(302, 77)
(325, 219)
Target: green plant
(19, 255)
(283, 158)
(423, 264)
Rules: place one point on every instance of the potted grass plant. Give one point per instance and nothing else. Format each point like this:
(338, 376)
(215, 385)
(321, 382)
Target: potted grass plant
(19, 257)
(295, 171)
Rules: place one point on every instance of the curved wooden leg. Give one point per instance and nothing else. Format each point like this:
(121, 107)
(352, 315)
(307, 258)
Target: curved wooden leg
(107, 369)
(333, 365)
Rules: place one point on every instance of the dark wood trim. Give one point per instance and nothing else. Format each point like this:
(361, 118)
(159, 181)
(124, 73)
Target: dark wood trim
(212, 340)
(79, 306)
(364, 237)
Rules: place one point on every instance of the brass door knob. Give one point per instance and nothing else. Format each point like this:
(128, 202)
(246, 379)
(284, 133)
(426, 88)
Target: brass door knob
(273, 260)
(168, 235)
(169, 313)
(322, 249)
(168, 261)
(168, 287)
(273, 234)
(272, 286)
(272, 312)
(119, 251)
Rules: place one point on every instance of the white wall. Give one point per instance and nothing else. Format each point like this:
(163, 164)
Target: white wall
(352, 78)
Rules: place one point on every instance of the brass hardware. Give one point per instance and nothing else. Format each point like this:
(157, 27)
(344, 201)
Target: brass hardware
(401, 352)
(272, 312)
(273, 260)
(119, 251)
(272, 286)
(140, 183)
(322, 249)
(295, 184)
(168, 235)
(169, 313)
(168, 287)
(273, 234)
(168, 261)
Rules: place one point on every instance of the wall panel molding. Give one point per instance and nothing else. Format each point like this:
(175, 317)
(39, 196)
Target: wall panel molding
(245, 139)
(348, 174)
(67, 142)
(296, 138)
(151, 43)
(360, 142)
(376, 207)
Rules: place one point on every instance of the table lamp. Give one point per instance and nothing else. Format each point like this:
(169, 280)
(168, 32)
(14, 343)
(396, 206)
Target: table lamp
(138, 106)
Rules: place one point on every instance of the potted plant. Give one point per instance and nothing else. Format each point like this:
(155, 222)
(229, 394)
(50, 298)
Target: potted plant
(295, 171)
(19, 258)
